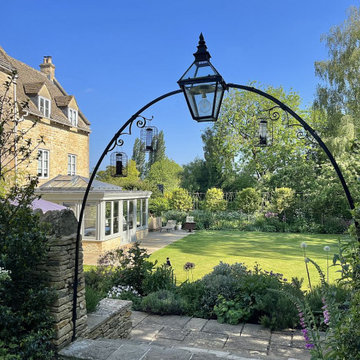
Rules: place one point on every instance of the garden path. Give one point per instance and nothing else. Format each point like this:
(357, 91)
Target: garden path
(155, 337)
(156, 240)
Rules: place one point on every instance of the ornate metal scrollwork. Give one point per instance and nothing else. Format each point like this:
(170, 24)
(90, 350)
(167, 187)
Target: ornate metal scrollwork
(140, 122)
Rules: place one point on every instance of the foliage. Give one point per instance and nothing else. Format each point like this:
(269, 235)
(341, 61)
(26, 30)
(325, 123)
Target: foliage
(231, 311)
(162, 302)
(158, 145)
(214, 200)
(248, 200)
(194, 176)
(180, 200)
(130, 182)
(25, 299)
(166, 172)
(177, 215)
(158, 205)
(138, 156)
(92, 298)
(127, 267)
(162, 278)
(282, 199)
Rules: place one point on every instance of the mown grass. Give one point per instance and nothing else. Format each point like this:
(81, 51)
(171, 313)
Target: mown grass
(277, 252)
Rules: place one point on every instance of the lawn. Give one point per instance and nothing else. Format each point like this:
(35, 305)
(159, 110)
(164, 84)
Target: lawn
(277, 252)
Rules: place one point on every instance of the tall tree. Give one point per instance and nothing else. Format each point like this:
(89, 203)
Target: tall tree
(138, 156)
(166, 172)
(339, 92)
(233, 142)
(158, 145)
(338, 96)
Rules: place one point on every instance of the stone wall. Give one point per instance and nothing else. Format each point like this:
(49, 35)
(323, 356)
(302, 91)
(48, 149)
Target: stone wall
(111, 320)
(60, 267)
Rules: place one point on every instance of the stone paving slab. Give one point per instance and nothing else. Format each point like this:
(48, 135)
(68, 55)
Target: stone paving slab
(195, 324)
(248, 343)
(213, 326)
(255, 330)
(173, 321)
(172, 334)
(146, 332)
(205, 340)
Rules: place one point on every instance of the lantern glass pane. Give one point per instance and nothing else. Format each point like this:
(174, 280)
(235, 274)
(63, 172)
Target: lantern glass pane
(199, 69)
(263, 129)
(219, 95)
(201, 98)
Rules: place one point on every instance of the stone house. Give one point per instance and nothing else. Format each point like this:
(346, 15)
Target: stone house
(113, 217)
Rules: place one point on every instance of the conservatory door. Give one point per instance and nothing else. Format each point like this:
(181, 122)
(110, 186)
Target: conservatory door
(129, 221)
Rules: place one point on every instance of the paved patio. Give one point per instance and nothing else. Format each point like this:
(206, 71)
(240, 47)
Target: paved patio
(156, 240)
(156, 337)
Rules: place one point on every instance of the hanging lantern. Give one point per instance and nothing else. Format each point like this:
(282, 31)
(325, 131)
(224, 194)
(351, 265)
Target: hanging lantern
(203, 86)
(263, 132)
(148, 134)
(118, 163)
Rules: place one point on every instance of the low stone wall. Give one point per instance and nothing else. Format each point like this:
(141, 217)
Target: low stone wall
(140, 234)
(111, 320)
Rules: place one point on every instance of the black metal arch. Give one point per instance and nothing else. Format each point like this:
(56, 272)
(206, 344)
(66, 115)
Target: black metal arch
(142, 123)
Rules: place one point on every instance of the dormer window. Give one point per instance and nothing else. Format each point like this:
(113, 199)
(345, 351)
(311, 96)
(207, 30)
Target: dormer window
(44, 106)
(73, 116)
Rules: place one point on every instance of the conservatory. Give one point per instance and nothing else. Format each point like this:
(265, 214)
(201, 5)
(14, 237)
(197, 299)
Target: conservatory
(113, 217)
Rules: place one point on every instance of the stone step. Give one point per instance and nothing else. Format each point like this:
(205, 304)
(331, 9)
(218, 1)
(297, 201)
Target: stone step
(108, 349)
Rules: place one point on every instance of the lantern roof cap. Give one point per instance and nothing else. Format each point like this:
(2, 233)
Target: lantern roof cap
(202, 54)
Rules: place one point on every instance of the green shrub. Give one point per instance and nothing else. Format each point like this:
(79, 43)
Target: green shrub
(247, 200)
(180, 200)
(26, 323)
(179, 216)
(192, 294)
(232, 311)
(214, 200)
(162, 278)
(92, 298)
(162, 302)
(158, 205)
(127, 267)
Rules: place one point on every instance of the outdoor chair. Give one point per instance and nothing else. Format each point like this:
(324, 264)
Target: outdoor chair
(170, 225)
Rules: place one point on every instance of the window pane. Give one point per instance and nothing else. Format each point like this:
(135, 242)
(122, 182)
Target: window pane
(41, 106)
(47, 110)
(144, 213)
(90, 220)
(40, 167)
(138, 213)
(131, 214)
(116, 217)
(125, 215)
(69, 165)
(108, 218)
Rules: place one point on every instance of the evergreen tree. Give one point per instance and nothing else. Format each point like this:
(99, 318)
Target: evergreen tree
(139, 157)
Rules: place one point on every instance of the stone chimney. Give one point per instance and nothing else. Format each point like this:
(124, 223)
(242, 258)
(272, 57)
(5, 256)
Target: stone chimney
(48, 68)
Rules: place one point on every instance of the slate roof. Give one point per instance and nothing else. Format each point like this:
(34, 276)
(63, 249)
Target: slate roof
(30, 80)
(76, 183)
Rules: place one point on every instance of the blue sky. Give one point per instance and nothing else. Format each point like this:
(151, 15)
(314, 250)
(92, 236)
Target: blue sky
(116, 56)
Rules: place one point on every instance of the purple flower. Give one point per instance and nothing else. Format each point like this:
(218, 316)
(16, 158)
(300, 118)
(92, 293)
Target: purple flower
(326, 312)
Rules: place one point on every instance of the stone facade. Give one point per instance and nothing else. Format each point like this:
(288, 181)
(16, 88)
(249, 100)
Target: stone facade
(60, 141)
(61, 136)
(112, 320)
(60, 268)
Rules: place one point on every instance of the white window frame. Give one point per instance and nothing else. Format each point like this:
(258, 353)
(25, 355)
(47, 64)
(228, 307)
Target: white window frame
(73, 116)
(71, 164)
(46, 101)
(44, 163)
